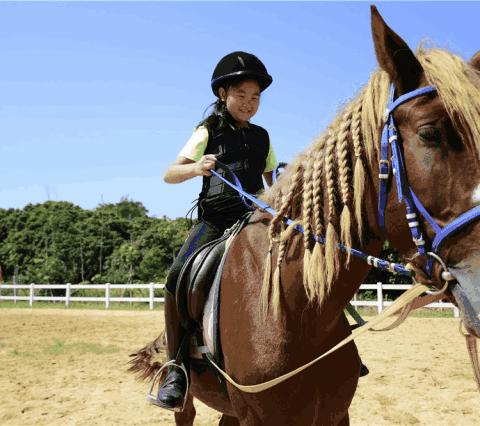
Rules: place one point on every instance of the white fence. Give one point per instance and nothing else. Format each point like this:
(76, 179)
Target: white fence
(379, 303)
(69, 288)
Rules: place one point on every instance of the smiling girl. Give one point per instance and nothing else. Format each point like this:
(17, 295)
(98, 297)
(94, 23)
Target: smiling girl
(228, 136)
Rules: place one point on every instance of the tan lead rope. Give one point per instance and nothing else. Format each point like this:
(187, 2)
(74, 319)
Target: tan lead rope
(472, 351)
(402, 301)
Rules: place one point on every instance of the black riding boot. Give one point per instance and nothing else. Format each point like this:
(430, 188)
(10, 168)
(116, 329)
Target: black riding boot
(363, 369)
(171, 394)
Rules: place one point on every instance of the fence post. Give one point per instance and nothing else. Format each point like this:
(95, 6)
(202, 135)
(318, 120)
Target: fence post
(107, 295)
(152, 295)
(379, 297)
(456, 312)
(67, 295)
(32, 291)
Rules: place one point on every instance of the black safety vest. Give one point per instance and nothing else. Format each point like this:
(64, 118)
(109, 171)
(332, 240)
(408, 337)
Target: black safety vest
(245, 151)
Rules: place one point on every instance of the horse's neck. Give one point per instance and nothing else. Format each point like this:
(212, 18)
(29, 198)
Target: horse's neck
(322, 317)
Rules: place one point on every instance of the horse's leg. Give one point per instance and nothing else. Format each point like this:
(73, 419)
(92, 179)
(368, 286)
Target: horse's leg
(228, 421)
(345, 421)
(186, 417)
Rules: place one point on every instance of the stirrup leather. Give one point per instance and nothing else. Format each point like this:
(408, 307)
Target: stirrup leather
(152, 398)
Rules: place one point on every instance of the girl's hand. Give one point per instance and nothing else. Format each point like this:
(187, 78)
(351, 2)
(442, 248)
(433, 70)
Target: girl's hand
(205, 163)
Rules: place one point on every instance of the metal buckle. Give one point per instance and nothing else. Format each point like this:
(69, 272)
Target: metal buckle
(384, 175)
(386, 115)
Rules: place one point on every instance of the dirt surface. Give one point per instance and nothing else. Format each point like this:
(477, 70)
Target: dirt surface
(68, 367)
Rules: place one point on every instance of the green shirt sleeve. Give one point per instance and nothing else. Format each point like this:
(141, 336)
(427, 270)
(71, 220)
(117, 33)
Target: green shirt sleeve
(196, 145)
(271, 162)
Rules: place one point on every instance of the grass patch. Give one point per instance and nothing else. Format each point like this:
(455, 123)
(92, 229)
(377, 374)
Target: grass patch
(137, 306)
(59, 347)
(55, 348)
(24, 354)
(419, 313)
(94, 348)
(114, 306)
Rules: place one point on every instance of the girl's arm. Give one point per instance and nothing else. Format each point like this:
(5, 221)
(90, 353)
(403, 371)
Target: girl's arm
(183, 168)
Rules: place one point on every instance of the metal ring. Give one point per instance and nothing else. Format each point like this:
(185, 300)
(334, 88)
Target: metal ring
(445, 269)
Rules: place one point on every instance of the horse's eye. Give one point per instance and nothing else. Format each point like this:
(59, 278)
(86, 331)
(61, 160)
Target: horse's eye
(430, 134)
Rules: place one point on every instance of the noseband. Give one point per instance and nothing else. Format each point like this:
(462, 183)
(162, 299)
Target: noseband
(414, 207)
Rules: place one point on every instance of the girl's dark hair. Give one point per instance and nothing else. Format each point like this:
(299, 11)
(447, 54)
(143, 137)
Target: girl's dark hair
(218, 116)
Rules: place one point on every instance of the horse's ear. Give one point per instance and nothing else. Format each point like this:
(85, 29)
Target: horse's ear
(475, 61)
(394, 56)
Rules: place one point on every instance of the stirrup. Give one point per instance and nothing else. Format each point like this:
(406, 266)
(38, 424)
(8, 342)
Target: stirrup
(153, 398)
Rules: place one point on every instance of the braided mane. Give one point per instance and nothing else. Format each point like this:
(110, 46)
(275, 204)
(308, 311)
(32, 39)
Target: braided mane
(324, 187)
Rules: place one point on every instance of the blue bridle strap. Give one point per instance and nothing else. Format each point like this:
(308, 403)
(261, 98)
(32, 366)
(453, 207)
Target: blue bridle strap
(461, 221)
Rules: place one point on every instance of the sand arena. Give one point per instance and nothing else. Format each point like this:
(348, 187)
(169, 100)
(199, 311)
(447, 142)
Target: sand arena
(68, 367)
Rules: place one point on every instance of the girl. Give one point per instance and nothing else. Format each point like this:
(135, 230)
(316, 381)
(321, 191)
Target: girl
(226, 135)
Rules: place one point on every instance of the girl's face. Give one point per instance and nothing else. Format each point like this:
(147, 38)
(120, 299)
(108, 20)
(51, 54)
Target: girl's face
(242, 100)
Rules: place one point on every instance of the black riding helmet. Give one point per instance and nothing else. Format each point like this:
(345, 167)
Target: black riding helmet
(240, 65)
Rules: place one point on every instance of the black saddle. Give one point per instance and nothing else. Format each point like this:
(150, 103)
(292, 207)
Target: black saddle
(198, 274)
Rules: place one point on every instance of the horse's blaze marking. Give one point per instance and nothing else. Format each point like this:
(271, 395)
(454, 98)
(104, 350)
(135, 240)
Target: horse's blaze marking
(476, 195)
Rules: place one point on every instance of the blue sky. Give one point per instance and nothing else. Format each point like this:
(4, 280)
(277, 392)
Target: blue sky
(96, 99)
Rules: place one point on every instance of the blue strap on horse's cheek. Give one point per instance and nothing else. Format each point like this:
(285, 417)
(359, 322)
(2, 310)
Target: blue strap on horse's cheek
(423, 211)
(414, 225)
(463, 220)
(384, 173)
(399, 170)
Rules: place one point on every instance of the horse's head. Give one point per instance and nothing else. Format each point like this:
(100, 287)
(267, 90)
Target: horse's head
(439, 139)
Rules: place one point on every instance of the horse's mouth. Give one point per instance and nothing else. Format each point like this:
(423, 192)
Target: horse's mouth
(466, 293)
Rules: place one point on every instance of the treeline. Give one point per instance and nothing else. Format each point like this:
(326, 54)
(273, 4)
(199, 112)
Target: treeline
(59, 242)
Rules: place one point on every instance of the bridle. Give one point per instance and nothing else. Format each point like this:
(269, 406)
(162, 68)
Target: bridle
(414, 207)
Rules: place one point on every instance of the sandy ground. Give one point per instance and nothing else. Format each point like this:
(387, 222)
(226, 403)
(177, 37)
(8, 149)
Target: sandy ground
(68, 367)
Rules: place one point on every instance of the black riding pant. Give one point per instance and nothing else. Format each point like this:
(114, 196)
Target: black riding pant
(201, 234)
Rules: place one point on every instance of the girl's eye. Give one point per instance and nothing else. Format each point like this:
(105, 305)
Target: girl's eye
(430, 134)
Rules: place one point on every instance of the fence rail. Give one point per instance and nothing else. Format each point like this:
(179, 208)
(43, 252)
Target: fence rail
(70, 288)
(380, 303)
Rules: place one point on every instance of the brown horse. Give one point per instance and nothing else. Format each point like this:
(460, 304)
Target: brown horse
(332, 189)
